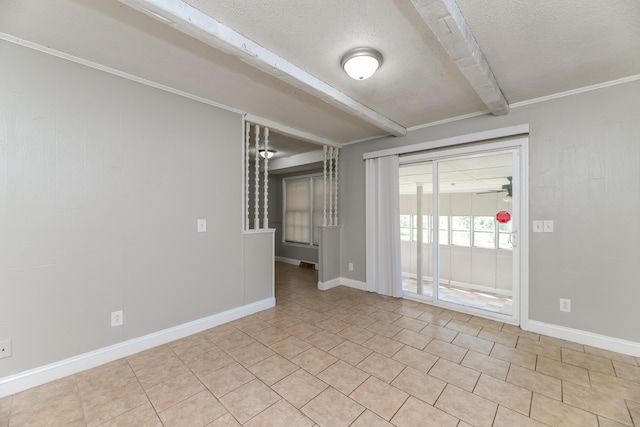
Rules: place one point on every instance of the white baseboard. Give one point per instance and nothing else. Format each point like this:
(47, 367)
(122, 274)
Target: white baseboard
(44, 374)
(356, 284)
(295, 262)
(324, 286)
(618, 345)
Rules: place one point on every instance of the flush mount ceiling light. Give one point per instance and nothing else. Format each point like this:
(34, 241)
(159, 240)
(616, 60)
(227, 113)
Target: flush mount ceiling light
(360, 63)
(267, 153)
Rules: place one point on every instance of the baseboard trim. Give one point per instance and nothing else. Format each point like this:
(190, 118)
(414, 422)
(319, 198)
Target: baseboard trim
(617, 345)
(295, 262)
(324, 286)
(44, 374)
(356, 284)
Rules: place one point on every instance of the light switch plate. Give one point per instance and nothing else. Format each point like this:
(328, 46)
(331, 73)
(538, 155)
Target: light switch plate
(202, 225)
(537, 226)
(548, 225)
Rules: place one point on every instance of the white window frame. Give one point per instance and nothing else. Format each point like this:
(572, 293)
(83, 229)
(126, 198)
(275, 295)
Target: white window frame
(310, 177)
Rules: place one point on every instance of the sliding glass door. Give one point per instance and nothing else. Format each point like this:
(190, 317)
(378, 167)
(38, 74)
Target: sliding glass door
(459, 217)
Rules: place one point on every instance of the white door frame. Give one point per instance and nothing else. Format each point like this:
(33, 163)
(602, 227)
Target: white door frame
(521, 271)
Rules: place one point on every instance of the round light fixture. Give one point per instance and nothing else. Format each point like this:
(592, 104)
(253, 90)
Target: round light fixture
(360, 63)
(266, 154)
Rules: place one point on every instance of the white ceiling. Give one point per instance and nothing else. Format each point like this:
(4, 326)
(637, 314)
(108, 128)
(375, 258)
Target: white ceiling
(534, 49)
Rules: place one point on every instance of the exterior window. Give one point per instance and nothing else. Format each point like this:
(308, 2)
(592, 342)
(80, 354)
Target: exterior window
(405, 227)
(504, 231)
(303, 209)
(484, 232)
(461, 230)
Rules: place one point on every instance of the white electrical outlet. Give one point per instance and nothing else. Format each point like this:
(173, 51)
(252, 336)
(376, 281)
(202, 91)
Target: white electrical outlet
(350, 266)
(117, 318)
(565, 305)
(5, 348)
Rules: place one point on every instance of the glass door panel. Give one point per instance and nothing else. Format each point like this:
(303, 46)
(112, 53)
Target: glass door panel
(475, 249)
(417, 228)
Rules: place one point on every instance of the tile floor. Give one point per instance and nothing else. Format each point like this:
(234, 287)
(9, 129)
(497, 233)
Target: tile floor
(345, 357)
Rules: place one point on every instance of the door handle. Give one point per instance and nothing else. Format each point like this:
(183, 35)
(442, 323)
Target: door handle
(513, 239)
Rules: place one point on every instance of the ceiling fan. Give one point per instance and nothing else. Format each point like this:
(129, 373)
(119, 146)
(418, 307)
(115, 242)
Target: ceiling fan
(505, 188)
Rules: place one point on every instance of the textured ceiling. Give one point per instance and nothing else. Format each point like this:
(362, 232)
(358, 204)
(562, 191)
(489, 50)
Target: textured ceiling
(535, 49)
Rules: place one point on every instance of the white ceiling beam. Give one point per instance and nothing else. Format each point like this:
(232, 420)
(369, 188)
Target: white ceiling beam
(447, 23)
(203, 27)
(291, 132)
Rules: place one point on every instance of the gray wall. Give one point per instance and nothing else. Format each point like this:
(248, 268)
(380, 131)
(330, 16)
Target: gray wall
(584, 173)
(101, 183)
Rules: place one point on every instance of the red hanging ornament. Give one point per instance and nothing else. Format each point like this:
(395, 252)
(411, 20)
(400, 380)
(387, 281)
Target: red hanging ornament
(503, 217)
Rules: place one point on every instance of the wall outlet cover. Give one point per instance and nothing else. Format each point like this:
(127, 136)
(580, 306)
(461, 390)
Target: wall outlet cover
(5, 348)
(117, 318)
(565, 305)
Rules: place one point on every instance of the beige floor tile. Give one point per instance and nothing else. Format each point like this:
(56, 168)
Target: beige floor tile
(625, 389)
(230, 342)
(383, 345)
(226, 420)
(360, 320)
(564, 371)
(350, 352)
(434, 319)
(290, 347)
(514, 355)
(270, 335)
(589, 361)
(208, 362)
(151, 357)
(562, 343)
(387, 316)
(106, 377)
(5, 406)
(333, 325)
(541, 348)
(53, 411)
(626, 371)
(385, 329)
(312, 316)
(299, 388)
(413, 312)
(251, 325)
(554, 413)
(192, 345)
(249, 400)
(343, 377)
(364, 308)
(273, 369)
(463, 326)
(101, 407)
(486, 323)
(634, 410)
(445, 350)
(410, 323)
(303, 330)
(474, 343)
(381, 366)
(499, 337)
(356, 334)
(412, 338)
(418, 384)
(314, 360)
(419, 360)
(324, 340)
(227, 379)
(332, 408)
(174, 390)
(508, 418)
(198, 410)
(280, 414)
(251, 354)
(491, 366)
(339, 313)
(595, 401)
(417, 413)
(535, 381)
(379, 397)
(443, 334)
(450, 372)
(369, 419)
(141, 416)
(607, 354)
(467, 406)
(606, 422)
(504, 393)
(515, 330)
